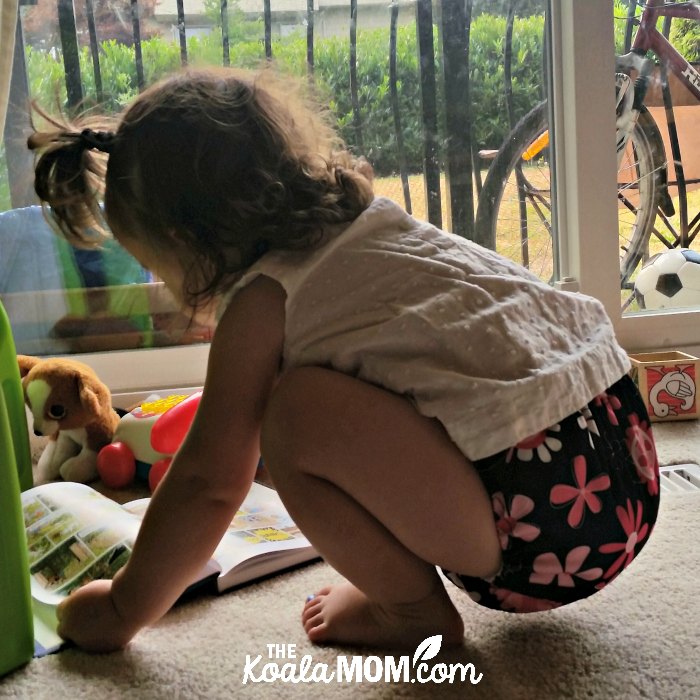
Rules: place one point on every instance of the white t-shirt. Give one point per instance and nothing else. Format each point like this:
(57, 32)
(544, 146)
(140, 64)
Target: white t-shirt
(468, 336)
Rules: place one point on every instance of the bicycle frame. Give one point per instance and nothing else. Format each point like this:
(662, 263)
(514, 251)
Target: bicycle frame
(649, 38)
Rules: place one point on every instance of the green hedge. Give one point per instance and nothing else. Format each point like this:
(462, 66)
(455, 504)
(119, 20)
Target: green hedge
(332, 73)
(490, 123)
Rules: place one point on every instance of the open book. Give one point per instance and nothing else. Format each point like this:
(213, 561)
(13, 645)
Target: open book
(76, 535)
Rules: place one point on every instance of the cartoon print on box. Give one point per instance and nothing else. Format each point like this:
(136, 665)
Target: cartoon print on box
(671, 390)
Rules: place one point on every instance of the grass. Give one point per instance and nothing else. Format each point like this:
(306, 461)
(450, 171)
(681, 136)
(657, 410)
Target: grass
(392, 188)
(656, 245)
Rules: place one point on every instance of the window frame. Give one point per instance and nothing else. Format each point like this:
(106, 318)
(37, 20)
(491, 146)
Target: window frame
(582, 107)
(125, 371)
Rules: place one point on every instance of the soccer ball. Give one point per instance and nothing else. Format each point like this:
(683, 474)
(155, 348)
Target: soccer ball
(669, 280)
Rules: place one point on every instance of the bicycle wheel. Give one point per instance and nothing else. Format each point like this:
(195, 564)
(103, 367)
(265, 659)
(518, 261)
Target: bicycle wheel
(514, 214)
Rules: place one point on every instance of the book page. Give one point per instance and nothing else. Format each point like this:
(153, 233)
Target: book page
(74, 535)
(46, 639)
(255, 542)
(261, 526)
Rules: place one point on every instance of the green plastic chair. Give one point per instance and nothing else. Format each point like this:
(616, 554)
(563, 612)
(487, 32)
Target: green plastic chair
(17, 637)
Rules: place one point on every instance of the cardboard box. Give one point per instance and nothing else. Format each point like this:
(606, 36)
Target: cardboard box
(667, 382)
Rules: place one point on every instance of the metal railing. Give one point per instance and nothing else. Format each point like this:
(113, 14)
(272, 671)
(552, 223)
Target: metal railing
(448, 149)
(453, 26)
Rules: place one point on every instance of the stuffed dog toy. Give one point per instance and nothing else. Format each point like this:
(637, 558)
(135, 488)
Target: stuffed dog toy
(72, 407)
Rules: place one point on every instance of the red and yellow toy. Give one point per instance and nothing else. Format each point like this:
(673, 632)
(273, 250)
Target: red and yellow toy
(146, 440)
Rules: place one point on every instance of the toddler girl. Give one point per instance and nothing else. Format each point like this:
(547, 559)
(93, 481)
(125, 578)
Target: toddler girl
(420, 402)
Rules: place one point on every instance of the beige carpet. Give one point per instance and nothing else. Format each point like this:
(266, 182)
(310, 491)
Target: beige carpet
(638, 638)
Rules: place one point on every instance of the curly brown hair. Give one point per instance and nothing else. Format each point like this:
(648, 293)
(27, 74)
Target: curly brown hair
(228, 164)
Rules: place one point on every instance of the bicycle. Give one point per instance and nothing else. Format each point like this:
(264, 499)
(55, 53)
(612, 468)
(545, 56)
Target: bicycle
(515, 200)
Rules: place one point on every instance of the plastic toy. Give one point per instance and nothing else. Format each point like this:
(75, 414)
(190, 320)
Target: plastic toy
(146, 440)
(72, 407)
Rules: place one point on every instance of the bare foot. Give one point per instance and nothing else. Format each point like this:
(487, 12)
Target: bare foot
(342, 614)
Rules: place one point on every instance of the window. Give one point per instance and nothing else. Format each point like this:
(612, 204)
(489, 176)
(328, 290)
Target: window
(586, 131)
(394, 76)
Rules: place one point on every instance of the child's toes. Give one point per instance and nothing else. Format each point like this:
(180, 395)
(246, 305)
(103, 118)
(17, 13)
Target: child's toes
(317, 633)
(311, 609)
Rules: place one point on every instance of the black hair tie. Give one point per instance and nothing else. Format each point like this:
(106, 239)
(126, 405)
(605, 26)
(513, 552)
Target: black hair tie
(100, 140)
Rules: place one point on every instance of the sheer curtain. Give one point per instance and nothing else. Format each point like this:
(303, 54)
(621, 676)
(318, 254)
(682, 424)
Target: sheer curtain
(8, 22)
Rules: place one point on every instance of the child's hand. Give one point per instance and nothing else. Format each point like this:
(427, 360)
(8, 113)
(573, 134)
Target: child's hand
(89, 618)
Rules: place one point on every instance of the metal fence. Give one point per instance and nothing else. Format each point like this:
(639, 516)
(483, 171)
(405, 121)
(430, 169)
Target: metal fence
(453, 18)
(457, 159)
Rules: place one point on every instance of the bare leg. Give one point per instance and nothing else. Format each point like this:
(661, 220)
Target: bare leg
(384, 495)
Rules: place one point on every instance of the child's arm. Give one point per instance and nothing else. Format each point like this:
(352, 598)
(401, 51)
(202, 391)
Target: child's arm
(206, 483)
